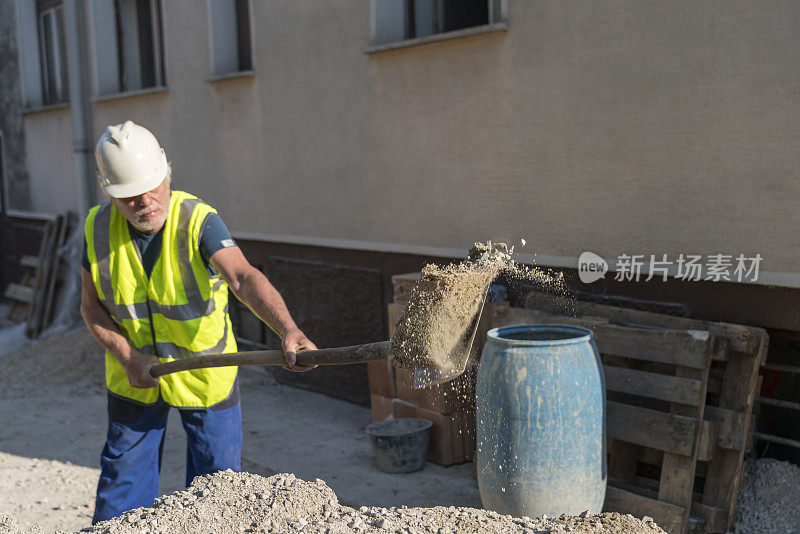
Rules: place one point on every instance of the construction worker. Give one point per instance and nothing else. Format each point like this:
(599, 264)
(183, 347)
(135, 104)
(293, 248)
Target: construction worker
(157, 268)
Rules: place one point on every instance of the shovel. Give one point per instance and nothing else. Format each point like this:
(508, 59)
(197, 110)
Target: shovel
(439, 357)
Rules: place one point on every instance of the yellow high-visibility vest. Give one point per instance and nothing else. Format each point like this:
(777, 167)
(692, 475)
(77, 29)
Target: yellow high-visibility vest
(179, 311)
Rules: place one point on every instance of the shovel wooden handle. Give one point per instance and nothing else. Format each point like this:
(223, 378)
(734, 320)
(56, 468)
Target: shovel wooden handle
(335, 356)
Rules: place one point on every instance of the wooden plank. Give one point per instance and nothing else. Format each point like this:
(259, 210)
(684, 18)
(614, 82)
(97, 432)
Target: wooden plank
(19, 293)
(622, 460)
(651, 456)
(721, 348)
(653, 385)
(651, 428)
(31, 329)
(697, 525)
(729, 427)
(740, 337)
(677, 347)
(667, 516)
(708, 441)
(675, 485)
(52, 275)
(29, 261)
(738, 394)
(505, 315)
(677, 471)
(715, 519)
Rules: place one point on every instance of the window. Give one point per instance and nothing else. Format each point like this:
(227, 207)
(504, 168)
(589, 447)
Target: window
(230, 36)
(139, 44)
(398, 20)
(128, 45)
(53, 56)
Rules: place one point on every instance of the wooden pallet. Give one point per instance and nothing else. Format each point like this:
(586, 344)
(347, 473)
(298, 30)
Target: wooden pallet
(33, 298)
(22, 295)
(656, 391)
(728, 423)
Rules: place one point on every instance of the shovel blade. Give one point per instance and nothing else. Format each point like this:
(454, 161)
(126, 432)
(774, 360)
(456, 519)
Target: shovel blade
(460, 357)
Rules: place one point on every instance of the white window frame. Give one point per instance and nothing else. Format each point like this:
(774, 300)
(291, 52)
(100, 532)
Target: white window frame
(498, 21)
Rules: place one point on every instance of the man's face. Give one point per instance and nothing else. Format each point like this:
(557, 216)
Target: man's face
(147, 212)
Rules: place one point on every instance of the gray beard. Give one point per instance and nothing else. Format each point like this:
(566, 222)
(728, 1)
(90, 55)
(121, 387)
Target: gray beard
(152, 225)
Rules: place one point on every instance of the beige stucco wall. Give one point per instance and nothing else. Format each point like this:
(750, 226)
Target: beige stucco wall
(614, 126)
(49, 160)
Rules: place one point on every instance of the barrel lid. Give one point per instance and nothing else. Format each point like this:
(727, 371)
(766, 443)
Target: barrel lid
(540, 335)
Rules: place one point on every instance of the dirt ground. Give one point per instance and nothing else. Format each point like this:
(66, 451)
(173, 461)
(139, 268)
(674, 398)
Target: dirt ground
(53, 409)
(52, 405)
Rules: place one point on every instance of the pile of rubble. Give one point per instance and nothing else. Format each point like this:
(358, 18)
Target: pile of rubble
(244, 502)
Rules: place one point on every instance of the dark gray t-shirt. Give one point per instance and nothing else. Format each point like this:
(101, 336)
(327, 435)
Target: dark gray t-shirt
(213, 237)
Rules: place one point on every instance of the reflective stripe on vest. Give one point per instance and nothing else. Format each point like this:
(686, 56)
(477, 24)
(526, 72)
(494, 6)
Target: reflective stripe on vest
(177, 312)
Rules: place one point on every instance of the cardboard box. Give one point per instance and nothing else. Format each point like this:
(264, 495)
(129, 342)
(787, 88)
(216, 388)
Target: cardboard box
(447, 441)
(381, 378)
(452, 436)
(443, 398)
(381, 407)
(402, 284)
(393, 312)
(402, 409)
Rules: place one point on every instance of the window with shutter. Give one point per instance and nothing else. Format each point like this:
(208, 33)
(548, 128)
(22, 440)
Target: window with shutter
(53, 56)
(398, 20)
(139, 44)
(231, 49)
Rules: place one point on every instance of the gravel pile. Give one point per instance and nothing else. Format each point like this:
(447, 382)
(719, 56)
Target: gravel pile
(769, 498)
(9, 525)
(70, 363)
(243, 502)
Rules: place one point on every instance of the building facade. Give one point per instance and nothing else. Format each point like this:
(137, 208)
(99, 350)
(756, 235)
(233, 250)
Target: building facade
(346, 141)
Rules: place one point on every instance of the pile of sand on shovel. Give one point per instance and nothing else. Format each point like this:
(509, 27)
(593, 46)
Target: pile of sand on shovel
(434, 330)
(435, 326)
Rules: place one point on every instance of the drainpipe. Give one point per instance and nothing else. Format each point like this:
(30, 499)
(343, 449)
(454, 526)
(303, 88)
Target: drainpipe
(76, 28)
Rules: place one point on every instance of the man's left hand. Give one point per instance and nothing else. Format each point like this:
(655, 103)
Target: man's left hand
(295, 341)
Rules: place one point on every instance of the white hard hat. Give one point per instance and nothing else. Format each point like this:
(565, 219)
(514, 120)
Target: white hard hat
(130, 161)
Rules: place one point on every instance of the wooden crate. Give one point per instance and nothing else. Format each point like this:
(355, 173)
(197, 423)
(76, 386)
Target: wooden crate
(445, 398)
(656, 393)
(732, 388)
(402, 284)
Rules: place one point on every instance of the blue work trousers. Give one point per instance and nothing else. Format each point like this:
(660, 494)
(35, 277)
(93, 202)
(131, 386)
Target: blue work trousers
(131, 460)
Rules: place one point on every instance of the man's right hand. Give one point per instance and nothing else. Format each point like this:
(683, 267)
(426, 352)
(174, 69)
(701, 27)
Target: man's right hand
(138, 370)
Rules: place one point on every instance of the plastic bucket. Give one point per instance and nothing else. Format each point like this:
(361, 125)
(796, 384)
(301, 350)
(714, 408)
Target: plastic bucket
(400, 445)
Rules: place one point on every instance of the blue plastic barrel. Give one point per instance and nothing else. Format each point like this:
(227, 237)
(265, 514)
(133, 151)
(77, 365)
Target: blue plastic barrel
(541, 422)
